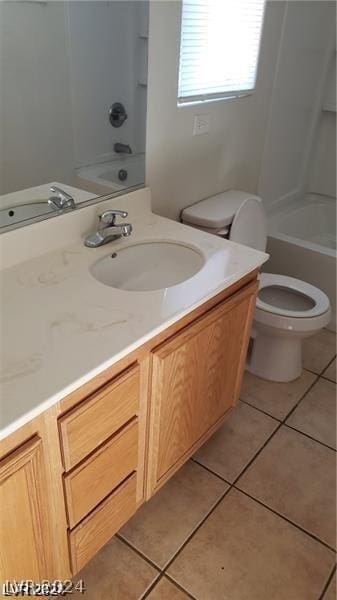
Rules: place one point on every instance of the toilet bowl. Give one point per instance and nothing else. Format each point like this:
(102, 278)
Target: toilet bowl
(287, 309)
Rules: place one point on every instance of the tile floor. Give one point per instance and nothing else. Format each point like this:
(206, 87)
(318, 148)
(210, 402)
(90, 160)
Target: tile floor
(252, 515)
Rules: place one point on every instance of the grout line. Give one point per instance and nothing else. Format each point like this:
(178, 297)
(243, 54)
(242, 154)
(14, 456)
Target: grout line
(292, 410)
(151, 587)
(312, 535)
(325, 368)
(327, 379)
(329, 363)
(314, 372)
(282, 421)
(179, 586)
(200, 522)
(168, 564)
(148, 560)
(327, 583)
(260, 410)
(320, 374)
(210, 471)
(257, 453)
(310, 437)
(236, 487)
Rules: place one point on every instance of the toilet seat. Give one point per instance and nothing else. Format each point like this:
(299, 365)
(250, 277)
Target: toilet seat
(290, 284)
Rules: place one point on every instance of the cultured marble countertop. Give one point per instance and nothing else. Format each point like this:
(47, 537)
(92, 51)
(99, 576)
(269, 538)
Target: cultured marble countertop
(60, 327)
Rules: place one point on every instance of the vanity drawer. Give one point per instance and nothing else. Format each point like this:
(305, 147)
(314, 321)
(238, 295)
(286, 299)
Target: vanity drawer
(94, 479)
(99, 416)
(89, 537)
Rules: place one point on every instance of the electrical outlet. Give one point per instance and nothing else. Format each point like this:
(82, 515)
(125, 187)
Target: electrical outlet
(201, 124)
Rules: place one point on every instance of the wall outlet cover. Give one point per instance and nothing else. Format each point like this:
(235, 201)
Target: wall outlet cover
(201, 124)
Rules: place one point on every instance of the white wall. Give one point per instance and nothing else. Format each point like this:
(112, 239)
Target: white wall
(36, 137)
(307, 35)
(182, 168)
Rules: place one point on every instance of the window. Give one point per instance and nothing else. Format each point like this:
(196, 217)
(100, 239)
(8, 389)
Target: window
(219, 48)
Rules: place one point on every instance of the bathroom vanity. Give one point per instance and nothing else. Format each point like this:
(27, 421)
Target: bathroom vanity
(115, 390)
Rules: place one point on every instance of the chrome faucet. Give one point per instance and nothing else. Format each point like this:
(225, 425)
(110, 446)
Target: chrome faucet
(122, 148)
(62, 200)
(108, 230)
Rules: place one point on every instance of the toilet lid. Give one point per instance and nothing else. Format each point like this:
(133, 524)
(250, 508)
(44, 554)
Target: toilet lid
(216, 211)
(290, 297)
(249, 225)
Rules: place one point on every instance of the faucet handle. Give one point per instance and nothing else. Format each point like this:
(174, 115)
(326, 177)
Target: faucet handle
(109, 216)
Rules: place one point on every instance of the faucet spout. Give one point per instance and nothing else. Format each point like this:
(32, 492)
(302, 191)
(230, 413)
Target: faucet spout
(122, 148)
(61, 200)
(108, 230)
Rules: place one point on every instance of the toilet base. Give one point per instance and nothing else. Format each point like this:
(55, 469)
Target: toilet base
(275, 358)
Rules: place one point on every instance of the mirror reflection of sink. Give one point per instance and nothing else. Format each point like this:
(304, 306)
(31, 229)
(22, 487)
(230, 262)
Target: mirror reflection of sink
(20, 212)
(148, 266)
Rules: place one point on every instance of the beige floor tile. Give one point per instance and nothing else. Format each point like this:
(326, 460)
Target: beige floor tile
(319, 350)
(166, 590)
(161, 525)
(316, 414)
(330, 371)
(331, 594)
(274, 398)
(232, 447)
(116, 573)
(243, 551)
(295, 476)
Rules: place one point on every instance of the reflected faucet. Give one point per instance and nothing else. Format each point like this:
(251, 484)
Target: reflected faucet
(61, 200)
(122, 148)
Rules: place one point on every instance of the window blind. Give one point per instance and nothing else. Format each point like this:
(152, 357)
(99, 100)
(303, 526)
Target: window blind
(219, 48)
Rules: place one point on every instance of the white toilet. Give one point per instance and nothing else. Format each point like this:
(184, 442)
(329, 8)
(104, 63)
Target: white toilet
(287, 309)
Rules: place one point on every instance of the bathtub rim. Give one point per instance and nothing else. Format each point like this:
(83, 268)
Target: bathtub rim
(92, 172)
(303, 243)
(281, 210)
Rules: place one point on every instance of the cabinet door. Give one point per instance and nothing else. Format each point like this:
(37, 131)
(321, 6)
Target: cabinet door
(24, 532)
(196, 380)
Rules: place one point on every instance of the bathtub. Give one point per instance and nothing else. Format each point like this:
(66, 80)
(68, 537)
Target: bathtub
(124, 172)
(302, 243)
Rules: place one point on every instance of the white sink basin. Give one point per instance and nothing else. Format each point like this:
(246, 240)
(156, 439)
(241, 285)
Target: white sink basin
(148, 266)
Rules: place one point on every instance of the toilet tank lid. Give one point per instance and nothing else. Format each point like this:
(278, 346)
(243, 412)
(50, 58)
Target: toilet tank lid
(216, 211)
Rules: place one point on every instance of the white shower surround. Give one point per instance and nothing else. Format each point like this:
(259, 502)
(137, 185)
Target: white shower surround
(302, 243)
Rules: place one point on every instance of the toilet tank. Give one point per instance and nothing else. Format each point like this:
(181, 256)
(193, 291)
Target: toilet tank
(234, 214)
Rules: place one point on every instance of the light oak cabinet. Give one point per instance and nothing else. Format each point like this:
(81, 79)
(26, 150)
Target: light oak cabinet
(103, 456)
(196, 379)
(21, 496)
(70, 478)
(85, 427)
(33, 540)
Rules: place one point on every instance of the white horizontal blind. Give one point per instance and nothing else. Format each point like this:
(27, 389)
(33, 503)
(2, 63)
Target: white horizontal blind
(219, 48)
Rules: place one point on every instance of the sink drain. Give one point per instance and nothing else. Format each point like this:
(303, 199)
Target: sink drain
(114, 255)
(122, 174)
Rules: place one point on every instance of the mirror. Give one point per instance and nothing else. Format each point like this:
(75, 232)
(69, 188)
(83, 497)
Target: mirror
(73, 88)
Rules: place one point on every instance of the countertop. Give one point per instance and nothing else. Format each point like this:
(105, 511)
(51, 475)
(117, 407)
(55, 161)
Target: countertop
(60, 327)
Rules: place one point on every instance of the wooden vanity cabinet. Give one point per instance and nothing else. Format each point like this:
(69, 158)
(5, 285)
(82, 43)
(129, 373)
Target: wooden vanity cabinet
(70, 478)
(33, 537)
(196, 378)
(22, 498)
